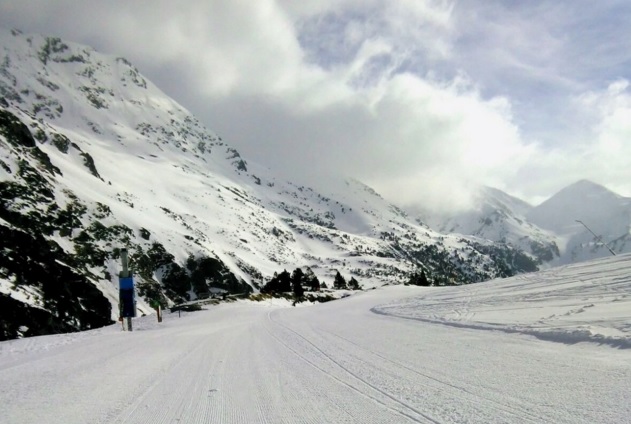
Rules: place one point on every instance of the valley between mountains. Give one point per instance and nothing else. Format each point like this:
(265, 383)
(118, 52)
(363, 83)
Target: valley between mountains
(95, 158)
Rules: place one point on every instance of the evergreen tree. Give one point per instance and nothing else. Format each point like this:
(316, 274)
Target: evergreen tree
(340, 282)
(284, 282)
(280, 283)
(417, 279)
(272, 285)
(311, 280)
(423, 281)
(297, 276)
(296, 281)
(315, 284)
(353, 284)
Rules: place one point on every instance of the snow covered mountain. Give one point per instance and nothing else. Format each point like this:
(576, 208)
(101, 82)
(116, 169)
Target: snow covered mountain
(579, 208)
(502, 218)
(95, 158)
(556, 231)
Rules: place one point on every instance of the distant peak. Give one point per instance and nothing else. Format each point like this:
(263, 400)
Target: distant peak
(585, 184)
(583, 188)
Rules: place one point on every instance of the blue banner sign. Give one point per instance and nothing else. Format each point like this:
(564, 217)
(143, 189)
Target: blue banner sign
(127, 297)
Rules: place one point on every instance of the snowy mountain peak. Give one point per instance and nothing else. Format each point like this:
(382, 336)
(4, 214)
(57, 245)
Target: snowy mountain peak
(584, 191)
(72, 90)
(585, 184)
(583, 200)
(500, 217)
(490, 195)
(558, 231)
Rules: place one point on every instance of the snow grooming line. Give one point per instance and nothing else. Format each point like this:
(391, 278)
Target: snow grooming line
(354, 376)
(467, 395)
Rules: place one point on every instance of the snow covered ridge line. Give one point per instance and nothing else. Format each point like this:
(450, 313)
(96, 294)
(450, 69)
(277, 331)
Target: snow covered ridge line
(586, 302)
(557, 232)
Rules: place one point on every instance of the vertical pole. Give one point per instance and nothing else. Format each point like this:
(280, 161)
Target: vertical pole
(125, 273)
(126, 295)
(125, 263)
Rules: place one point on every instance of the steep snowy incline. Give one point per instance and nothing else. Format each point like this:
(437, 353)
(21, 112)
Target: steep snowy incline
(341, 362)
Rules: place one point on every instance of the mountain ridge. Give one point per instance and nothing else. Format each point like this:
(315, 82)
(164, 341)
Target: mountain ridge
(557, 231)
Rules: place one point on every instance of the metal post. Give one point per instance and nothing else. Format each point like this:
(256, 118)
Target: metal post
(127, 301)
(125, 263)
(158, 308)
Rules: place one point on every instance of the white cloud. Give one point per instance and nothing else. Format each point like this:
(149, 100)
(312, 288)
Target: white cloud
(601, 152)
(421, 99)
(442, 136)
(358, 117)
(609, 155)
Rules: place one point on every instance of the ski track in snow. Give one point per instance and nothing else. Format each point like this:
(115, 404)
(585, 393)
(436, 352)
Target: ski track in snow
(436, 383)
(340, 362)
(400, 407)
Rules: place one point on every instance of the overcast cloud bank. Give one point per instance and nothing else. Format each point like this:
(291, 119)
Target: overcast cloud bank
(422, 100)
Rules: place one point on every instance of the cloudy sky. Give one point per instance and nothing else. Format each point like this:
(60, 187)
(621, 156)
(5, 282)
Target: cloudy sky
(422, 99)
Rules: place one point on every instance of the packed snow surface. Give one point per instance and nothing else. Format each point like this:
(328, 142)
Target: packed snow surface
(544, 347)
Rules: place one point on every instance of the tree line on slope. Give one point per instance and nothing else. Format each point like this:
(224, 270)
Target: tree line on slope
(298, 282)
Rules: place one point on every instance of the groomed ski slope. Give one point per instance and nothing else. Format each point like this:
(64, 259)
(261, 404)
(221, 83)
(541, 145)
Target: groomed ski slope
(551, 347)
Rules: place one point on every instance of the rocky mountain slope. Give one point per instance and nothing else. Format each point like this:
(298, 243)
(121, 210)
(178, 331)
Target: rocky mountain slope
(95, 158)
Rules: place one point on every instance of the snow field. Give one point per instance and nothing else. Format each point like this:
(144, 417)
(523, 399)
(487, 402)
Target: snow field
(340, 362)
(588, 301)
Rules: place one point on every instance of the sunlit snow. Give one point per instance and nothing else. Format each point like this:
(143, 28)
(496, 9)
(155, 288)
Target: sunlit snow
(544, 347)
